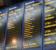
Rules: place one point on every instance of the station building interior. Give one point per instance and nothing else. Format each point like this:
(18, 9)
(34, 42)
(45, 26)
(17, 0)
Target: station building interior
(27, 24)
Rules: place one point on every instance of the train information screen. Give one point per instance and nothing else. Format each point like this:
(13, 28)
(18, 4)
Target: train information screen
(32, 25)
(50, 23)
(3, 18)
(14, 28)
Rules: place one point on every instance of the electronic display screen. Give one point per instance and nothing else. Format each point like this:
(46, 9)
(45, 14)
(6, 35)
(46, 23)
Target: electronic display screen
(32, 25)
(3, 18)
(14, 28)
(50, 24)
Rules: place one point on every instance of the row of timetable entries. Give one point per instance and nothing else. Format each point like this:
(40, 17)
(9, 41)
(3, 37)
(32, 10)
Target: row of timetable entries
(28, 28)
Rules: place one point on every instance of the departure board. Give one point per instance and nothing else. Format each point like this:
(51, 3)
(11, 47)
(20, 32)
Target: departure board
(50, 24)
(14, 28)
(3, 18)
(32, 26)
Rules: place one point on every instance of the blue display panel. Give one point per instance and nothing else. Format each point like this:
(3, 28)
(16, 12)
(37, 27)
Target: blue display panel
(32, 26)
(3, 19)
(13, 39)
(50, 25)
